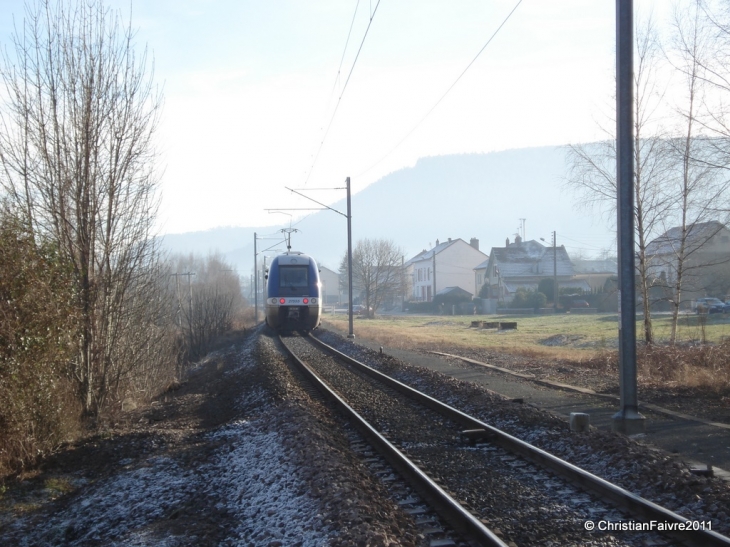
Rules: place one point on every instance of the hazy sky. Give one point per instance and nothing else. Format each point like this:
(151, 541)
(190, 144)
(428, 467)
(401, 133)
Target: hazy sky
(252, 86)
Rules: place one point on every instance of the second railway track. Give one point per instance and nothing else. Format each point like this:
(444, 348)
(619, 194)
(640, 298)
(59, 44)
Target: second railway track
(510, 491)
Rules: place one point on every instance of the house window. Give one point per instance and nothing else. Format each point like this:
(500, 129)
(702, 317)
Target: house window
(429, 274)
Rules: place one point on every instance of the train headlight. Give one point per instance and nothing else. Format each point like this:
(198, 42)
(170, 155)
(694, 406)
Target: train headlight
(314, 300)
(282, 300)
(306, 300)
(273, 300)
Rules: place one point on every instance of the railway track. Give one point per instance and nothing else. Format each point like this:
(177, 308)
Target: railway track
(488, 485)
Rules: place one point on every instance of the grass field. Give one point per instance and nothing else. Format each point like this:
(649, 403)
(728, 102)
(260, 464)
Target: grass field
(589, 341)
(563, 336)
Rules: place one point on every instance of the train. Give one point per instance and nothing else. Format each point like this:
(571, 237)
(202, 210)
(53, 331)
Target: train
(293, 293)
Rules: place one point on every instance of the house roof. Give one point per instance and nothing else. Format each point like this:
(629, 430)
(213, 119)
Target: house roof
(323, 269)
(529, 259)
(453, 291)
(697, 235)
(428, 254)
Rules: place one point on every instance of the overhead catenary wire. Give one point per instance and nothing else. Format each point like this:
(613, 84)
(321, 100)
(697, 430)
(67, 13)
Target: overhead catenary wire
(443, 96)
(586, 245)
(344, 87)
(344, 51)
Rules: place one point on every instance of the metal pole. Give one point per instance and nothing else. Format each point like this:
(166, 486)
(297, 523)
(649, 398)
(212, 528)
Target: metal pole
(190, 309)
(263, 280)
(179, 310)
(556, 293)
(627, 420)
(349, 256)
(434, 275)
(255, 283)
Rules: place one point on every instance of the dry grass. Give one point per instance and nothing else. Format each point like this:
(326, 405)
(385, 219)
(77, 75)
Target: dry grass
(591, 340)
(559, 337)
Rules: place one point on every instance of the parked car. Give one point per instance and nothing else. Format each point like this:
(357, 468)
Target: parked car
(579, 304)
(711, 305)
(357, 309)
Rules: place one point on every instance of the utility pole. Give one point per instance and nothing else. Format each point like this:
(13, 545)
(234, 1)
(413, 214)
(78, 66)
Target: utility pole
(627, 420)
(190, 304)
(348, 216)
(256, 272)
(177, 291)
(351, 334)
(190, 298)
(255, 283)
(263, 284)
(555, 271)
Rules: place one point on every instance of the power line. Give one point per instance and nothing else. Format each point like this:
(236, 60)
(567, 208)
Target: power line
(447, 91)
(342, 60)
(344, 87)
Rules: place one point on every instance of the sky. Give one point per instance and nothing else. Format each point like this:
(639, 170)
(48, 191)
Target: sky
(261, 96)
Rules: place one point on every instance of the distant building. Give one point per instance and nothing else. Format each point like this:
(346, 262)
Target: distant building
(523, 264)
(447, 264)
(330, 285)
(595, 272)
(706, 267)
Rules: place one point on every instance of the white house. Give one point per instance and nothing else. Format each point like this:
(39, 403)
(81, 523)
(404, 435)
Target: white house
(447, 264)
(523, 264)
(330, 285)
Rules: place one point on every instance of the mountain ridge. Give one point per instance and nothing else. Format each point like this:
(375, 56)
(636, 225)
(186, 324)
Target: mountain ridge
(490, 197)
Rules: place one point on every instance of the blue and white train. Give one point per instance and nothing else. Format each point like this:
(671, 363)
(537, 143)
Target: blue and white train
(293, 293)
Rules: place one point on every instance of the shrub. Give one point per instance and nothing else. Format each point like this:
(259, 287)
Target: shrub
(419, 307)
(37, 334)
(525, 298)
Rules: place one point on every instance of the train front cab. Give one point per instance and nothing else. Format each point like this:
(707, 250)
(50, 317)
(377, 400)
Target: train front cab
(293, 293)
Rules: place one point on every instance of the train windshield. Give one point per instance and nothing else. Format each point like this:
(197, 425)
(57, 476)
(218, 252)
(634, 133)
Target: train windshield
(294, 278)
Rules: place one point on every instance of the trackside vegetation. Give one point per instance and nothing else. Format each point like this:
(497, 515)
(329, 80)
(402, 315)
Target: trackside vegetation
(699, 358)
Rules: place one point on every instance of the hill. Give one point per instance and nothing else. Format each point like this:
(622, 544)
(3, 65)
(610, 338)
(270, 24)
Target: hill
(458, 196)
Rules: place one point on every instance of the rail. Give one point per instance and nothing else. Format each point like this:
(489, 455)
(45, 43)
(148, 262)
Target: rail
(587, 481)
(461, 519)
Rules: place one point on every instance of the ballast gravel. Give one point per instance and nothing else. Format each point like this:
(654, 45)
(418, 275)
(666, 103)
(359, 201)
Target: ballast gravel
(239, 454)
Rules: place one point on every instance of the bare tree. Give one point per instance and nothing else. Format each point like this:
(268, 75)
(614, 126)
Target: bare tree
(701, 183)
(377, 272)
(78, 157)
(210, 302)
(592, 167)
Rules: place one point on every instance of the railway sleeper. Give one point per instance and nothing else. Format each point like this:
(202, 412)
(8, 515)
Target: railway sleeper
(472, 436)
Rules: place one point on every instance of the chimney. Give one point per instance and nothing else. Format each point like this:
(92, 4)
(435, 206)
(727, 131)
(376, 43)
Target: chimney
(518, 239)
(437, 243)
(474, 242)
(506, 243)
(449, 240)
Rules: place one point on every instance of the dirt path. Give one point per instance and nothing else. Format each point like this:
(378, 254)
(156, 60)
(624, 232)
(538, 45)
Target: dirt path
(236, 455)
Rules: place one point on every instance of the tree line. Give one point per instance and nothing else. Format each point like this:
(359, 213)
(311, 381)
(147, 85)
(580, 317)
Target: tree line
(91, 312)
(681, 153)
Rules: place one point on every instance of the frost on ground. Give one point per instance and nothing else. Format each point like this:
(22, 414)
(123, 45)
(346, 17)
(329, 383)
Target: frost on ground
(258, 484)
(177, 484)
(237, 455)
(248, 482)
